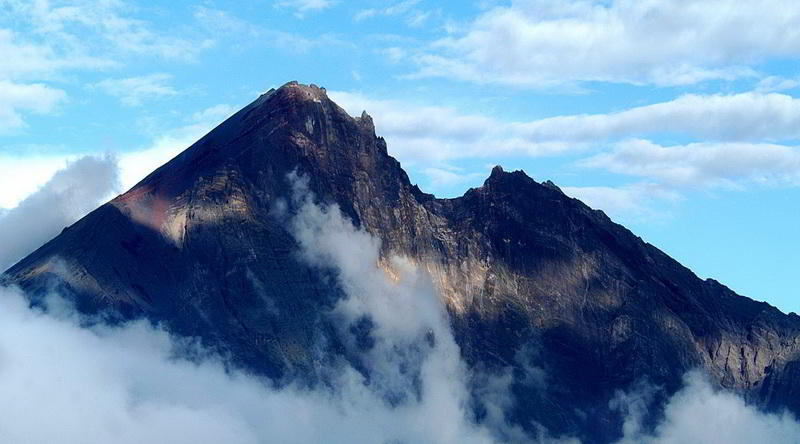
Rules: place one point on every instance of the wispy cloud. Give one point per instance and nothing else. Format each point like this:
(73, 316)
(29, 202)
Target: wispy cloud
(108, 28)
(699, 412)
(411, 388)
(133, 91)
(737, 130)
(51, 39)
(407, 9)
(542, 44)
(777, 83)
(743, 117)
(417, 133)
(16, 98)
(71, 193)
(703, 165)
(136, 164)
(29, 172)
(302, 7)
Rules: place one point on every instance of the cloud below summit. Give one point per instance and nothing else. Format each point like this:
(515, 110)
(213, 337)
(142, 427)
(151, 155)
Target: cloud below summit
(71, 193)
(91, 383)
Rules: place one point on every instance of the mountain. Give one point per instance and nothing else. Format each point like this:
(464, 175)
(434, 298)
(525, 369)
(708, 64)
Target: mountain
(530, 277)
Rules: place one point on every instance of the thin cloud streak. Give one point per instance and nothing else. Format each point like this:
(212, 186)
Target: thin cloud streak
(546, 44)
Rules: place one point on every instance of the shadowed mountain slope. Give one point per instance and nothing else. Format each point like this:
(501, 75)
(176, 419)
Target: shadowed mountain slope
(533, 279)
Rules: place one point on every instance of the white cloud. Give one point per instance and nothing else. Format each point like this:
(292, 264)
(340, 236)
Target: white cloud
(53, 37)
(438, 132)
(700, 413)
(16, 98)
(68, 195)
(698, 165)
(23, 175)
(25, 59)
(303, 7)
(448, 176)
(132, 91)
(416, 133)
(735, 127)
(68, 384)
(669, 171)
(83, 27)
(365, 14)
(65, 382)
(407, 9)
(745, 116)
(556, 42)
(776, 83)
(29, 172)
(238, 32)
(136, 164)
(638, 202)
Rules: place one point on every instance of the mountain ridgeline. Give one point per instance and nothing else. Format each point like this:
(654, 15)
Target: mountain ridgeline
(529, 276)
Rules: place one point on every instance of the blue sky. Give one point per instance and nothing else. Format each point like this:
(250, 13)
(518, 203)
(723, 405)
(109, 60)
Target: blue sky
(678, 118)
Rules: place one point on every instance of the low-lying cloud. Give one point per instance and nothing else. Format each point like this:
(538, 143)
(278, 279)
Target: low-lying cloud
(66, 382)
(68, 195)
(67, 379)
(701, 413)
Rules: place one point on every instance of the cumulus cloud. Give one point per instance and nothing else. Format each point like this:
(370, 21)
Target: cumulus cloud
(440, 133)
(132, 91)
(703, 164)
(735, 117)
(701, 413)
(411, 354)
(738, 132)
(741, 117)
(641, 201)
(16, 98)
(51, 38)
(68, 195)
(65, 383)
(555, 42)
(423, 133)
(667, 172)
(29, 172)
(68, 379)
(89, 382)
(448, 176)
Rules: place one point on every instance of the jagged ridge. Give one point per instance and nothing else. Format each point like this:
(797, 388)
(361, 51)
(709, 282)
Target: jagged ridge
(525, 270)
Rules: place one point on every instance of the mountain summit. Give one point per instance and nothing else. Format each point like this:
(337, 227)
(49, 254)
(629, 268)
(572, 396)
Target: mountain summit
(529, 276)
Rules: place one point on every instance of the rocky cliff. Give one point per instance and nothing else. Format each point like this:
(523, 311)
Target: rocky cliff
(533, 280)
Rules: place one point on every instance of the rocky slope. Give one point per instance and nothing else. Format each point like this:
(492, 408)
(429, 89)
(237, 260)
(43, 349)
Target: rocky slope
(534, 280)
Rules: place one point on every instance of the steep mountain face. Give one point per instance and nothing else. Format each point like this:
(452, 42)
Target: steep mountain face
(533, 280)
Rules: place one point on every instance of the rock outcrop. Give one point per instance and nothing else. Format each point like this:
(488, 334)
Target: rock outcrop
(534, 280)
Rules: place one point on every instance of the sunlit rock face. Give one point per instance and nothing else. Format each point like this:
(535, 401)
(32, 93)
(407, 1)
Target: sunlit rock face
(575, 306)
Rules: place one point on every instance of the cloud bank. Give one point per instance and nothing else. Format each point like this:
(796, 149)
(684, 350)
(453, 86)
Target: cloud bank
(540, 44)
(747, 139)
(67, 196)
(700, 413)
(134, 383)
(66, 379)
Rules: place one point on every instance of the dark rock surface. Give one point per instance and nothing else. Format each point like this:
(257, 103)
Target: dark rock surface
(533, 279)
